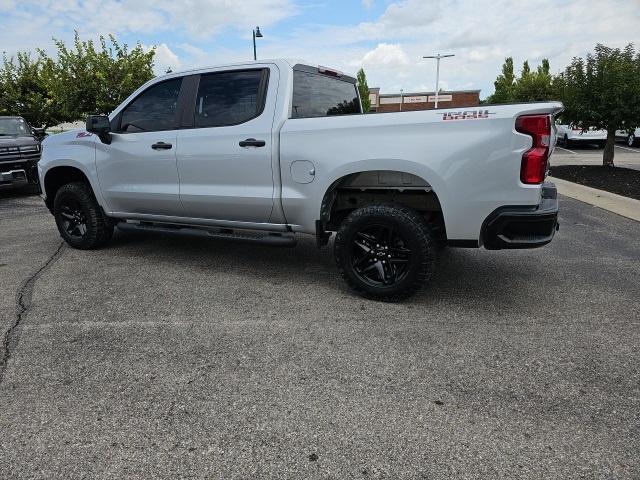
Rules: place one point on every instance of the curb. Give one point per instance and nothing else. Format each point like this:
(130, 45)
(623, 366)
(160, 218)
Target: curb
(624, 206)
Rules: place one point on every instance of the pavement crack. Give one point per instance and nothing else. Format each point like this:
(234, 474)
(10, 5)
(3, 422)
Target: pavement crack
(23, 304)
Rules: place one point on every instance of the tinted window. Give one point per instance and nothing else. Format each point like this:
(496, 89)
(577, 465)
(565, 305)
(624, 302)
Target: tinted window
(321, 96)
(228, 98)
(154, 109)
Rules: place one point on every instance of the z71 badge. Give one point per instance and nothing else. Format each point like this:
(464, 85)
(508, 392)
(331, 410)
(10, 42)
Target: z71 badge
(466, 115)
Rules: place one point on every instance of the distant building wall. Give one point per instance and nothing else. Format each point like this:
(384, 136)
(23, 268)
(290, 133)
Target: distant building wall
(422, 101)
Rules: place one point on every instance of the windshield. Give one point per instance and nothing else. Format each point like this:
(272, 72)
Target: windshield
(14, 127)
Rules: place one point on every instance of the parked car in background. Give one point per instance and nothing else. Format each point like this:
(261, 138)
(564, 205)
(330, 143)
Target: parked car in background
(569, 135)
(630, 137)
(261, 151)
(19, 152)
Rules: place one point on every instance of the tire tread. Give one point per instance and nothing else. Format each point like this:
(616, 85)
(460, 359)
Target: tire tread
(100, 228)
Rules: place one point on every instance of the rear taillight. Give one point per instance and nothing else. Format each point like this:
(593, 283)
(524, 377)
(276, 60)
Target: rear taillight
(534, 161)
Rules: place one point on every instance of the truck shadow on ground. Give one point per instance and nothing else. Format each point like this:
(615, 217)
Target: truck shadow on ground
(465, 276)
(29, 191)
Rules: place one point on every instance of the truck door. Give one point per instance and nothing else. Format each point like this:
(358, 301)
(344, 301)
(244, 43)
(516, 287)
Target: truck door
(225, 158)
(137, 171)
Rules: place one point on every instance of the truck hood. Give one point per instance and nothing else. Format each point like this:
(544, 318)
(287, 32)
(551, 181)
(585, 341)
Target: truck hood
(72, 136)
(17, 141)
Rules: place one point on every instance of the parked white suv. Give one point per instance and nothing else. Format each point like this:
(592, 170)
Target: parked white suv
(569, 135)
(262, 151)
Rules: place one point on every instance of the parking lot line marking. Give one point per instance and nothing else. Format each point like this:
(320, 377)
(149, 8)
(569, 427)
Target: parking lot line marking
(566, 150)
(627, 148)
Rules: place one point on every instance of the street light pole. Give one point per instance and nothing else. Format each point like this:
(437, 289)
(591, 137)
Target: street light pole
(256, 34)
(438, 58)
(401, 98)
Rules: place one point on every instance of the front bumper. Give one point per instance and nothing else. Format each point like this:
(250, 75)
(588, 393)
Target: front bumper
(13, 179)
(523, 227)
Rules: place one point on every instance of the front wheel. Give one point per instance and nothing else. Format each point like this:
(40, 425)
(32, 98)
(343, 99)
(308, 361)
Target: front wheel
(79, 218)
(385, 252)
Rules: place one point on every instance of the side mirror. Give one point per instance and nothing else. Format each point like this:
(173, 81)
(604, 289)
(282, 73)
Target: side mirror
(39, 133)
(99, 124)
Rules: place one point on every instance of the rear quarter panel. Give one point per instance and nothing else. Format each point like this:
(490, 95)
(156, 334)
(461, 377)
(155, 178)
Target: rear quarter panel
(473, 165)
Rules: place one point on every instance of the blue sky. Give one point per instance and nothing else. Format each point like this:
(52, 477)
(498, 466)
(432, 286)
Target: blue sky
(386, 37)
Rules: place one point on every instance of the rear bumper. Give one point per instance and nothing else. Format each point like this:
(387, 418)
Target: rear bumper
(523, 227)
(580, 139)
(13, 178)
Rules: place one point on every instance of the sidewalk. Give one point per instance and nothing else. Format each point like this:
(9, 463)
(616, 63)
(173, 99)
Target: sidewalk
(624, 206)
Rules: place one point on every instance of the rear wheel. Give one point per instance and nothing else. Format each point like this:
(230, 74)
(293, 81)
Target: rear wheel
(79, 218)
(385, 252)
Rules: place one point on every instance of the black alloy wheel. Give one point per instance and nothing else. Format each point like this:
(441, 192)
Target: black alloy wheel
(74, 221)
(379, 255)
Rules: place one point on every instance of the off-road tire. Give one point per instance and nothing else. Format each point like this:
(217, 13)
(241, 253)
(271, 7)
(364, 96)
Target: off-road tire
(414, 230)
(99, 228)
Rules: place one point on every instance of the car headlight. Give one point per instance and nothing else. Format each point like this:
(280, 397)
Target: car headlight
(30, 148)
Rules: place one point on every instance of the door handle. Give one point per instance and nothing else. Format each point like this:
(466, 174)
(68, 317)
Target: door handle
(252, 142)
(162, 146)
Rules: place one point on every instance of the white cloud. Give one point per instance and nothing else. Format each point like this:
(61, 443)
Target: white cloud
(204, 18)
(367, 3)
(164, 59)
(200, 18)
(385, 55)
(410, 13)
(485, 54)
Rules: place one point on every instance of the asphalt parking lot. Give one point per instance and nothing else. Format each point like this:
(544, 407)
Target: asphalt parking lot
(164, 357)
(588, 154)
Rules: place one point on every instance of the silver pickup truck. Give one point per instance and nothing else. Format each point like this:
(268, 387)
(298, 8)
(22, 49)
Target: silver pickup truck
(263, 151)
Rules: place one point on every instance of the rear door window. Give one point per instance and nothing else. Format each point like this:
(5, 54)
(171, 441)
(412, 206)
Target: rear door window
(317, 95)
(230, 98)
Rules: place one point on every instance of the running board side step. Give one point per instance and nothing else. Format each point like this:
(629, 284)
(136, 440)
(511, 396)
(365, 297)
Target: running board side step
(242, 236)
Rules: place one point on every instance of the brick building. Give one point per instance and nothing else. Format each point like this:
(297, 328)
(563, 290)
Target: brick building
(422, 101)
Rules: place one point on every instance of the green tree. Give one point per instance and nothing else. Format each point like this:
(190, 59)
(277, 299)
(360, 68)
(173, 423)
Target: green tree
(363, 88)
(530, 86)
(601, 91)
(91, 79)
(504, 84)
(24, 91)
(535, 86)
(77, 81)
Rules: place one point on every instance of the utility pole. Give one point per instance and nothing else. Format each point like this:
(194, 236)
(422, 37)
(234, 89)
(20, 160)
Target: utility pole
(401, 98)
(438, 58)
